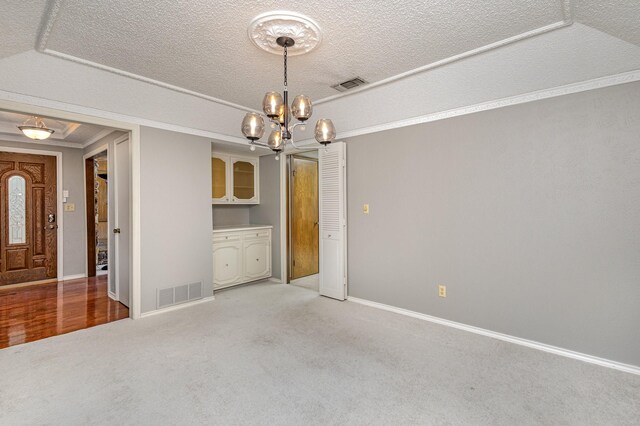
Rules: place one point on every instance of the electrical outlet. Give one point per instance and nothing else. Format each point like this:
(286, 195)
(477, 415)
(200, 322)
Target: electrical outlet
(442, 290)
(69, 207)
(365, 208)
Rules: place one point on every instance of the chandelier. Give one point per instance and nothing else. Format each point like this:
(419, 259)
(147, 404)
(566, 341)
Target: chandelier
(34, 128)
(276, 108)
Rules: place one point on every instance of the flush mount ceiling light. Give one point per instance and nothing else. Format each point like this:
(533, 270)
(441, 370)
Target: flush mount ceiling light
(287, 33)
(35, 129)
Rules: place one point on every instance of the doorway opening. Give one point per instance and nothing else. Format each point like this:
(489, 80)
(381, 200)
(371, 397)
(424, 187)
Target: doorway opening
(303, 220)
(51, 282)
(97, 206)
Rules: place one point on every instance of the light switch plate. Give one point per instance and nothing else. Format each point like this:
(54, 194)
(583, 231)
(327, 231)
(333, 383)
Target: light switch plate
(365, 208)
(70, 207)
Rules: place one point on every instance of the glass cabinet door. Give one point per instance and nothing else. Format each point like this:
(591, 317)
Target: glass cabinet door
(244, 180)
(219, 179)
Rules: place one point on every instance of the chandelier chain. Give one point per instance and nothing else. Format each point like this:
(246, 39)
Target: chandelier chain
(285, 65)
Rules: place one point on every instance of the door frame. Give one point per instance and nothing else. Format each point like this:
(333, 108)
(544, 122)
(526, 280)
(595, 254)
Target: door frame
(114, 187)
(290, 158)
(59, 203)
(85, 157)
(34, 106)
(283, 216)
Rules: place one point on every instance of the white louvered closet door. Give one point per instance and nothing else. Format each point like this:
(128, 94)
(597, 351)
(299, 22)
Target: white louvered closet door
(333, 220)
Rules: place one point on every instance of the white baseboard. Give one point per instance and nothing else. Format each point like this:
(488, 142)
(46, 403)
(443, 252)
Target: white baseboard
(275, 280)
(176, 307)
(504, 337)
(72, 277)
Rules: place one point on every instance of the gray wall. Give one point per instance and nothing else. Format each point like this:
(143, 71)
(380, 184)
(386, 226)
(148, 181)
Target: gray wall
(268, 211)
(175, 180)
(224, 215)
(530, 215)
(73, 232)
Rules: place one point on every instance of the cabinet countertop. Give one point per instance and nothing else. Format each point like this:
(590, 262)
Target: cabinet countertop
(239, 228)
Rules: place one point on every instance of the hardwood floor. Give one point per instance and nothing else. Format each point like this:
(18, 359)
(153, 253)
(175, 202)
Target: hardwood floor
(44, 310)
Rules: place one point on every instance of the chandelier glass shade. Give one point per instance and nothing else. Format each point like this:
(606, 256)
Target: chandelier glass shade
(34, 128)
(275, 106)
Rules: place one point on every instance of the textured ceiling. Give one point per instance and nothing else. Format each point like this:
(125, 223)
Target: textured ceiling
(203, 45)
(19, 25)
(620, 18)
(65, 131)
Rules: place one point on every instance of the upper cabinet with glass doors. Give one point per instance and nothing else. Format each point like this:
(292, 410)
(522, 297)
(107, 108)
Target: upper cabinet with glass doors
(234, 180)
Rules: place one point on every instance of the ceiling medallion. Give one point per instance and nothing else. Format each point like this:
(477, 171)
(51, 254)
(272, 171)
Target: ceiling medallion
(265, 29)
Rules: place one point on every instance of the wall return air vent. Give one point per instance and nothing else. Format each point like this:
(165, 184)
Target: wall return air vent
(349, 84)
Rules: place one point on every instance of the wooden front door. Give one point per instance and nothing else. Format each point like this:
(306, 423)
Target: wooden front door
(304, 217)
(28, 201)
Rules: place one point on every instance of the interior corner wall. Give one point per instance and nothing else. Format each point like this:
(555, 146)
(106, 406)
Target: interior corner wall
(175, 209)
(74, 249)
(229, 215)
(529, 214)
(268, 211)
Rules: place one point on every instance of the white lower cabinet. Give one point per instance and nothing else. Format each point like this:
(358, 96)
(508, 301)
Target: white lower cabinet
(227, 263)
(240, 256)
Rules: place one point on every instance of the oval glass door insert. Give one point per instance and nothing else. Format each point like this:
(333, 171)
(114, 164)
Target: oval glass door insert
(17, 210)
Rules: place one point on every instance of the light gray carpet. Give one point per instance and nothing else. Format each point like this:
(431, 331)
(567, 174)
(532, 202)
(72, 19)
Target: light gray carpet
(278, 354)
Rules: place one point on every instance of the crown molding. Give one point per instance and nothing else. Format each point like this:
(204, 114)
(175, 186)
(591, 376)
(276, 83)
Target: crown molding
(46, 25)
(526, 35)
(598, 83)
(23, 100)
(23, 139)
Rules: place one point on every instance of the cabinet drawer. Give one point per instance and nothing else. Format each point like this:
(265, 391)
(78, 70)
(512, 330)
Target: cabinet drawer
(257, 234)
(227, 238)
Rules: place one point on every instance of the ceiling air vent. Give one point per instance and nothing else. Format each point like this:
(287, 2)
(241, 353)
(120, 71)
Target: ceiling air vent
(349, 84)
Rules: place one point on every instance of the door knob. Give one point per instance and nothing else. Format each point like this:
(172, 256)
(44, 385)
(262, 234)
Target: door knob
(51, 227)
(116, 230)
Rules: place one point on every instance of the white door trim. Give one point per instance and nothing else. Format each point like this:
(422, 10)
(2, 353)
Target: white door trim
(66, 111)
(59, 206)
(102, 148)
(117, 141)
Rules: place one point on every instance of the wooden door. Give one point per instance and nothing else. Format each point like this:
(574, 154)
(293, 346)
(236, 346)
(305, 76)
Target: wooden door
(28, 203)
(304, 217)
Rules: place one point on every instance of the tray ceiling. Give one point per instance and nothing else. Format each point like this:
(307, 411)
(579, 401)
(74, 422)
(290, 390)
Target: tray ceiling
(203, 46)
(66, 133)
